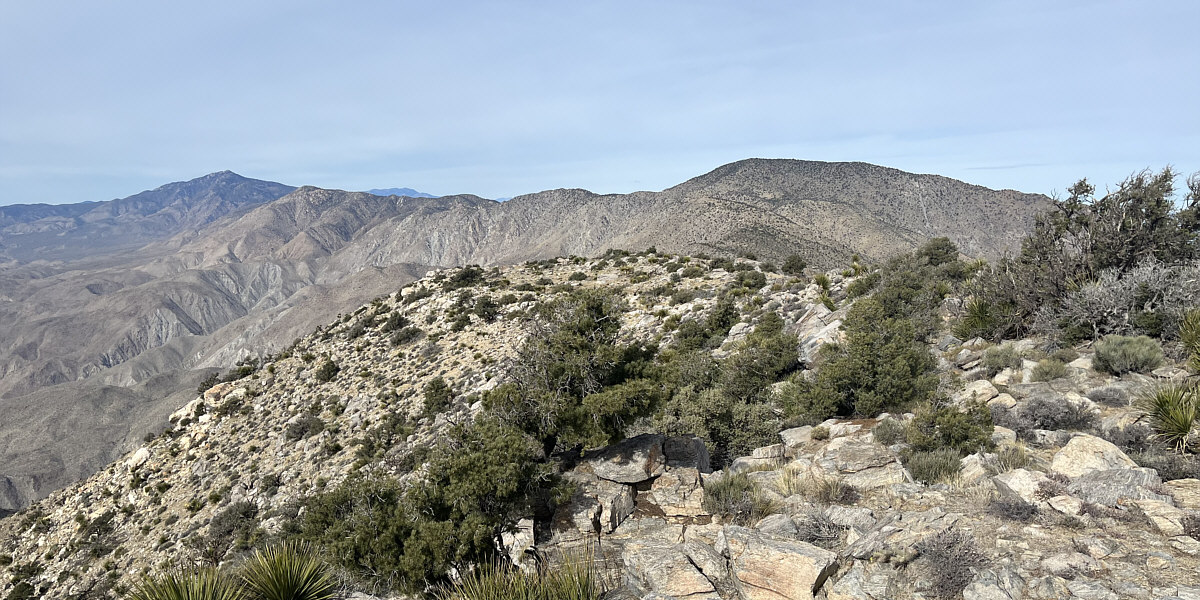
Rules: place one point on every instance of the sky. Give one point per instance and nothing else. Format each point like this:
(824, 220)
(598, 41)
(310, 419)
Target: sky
(100, 100)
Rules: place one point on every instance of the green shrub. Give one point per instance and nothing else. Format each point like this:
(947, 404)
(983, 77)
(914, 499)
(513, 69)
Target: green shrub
(889, 432)
(574, 385)
(406, 335)
(934, 466)
(766, 355)
(737, 499)
(753, 280)
(827, 301)
(467, 276)
(1048, 369)
(305, 426)
(998, 358)
(1189, 334)
(326, 371)
(963, 431)
(437, 395)
(863, 285)
(1171, 412)
(1118, 354)
(1074, 241)
(881, 367)
(819, 433)
(486, 309)
(794, 265)
(1064, 355)
(577, 276)
(394, 322)
(233, 524)
(479, 482)
(288, 572)
(208, 382)
(730, 427)
(822, 281)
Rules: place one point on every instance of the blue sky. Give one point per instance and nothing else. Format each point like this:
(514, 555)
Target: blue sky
(104, 99)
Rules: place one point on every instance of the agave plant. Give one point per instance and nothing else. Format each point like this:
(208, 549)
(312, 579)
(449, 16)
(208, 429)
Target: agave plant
(1172, 411)
(197, 584)
(288, 572)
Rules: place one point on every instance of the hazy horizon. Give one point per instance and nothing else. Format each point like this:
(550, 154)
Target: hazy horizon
(501, 100)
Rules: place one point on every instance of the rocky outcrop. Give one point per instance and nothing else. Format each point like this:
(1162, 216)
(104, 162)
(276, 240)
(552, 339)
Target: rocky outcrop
(631, 461)
(766, 567)
(1087, 453)
(861, 463)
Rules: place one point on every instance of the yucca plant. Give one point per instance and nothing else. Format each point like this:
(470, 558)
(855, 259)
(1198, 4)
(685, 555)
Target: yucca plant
(1171, 411)
(288, 572)
(574, 579)
(197, 584)
(1189, 334)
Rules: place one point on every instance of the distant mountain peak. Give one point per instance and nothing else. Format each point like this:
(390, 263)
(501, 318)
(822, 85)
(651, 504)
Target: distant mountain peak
(400, 191)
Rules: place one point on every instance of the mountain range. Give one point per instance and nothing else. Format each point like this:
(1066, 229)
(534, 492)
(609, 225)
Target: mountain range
(113, 311)
(401, 191)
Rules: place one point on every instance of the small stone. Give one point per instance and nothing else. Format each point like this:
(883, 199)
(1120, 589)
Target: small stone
(138, 459)
(1158, 561)
(1186, 492)
(981, 390)
(1070, 564)
(1169, 372)
(1165, 517)
(1003, 435)
(1186, 544)
(1019, 484)
(1090, 590)
(796, 436)
(772, 451)
(1083, 362)
(1005, 401)
(1066, 505)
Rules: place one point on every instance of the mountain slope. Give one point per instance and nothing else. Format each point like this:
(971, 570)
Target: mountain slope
(73, 231)
(261, 274)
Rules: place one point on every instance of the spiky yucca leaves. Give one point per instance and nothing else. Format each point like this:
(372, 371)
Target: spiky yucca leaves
(1171, 411)
(198, 584)
(288, 572)
(1189, 334)
(572, 580)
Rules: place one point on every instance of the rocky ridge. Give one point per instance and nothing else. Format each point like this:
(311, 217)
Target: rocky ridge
(220, 268)
(1056, 514)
